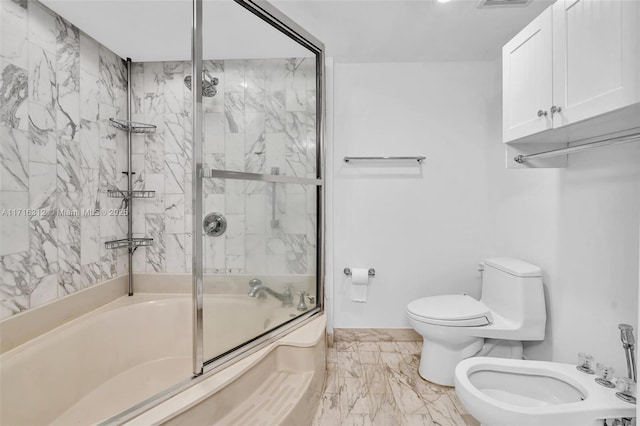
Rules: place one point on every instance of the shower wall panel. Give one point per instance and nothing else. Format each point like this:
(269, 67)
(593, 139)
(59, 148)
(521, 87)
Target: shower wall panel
(262, 120)
(58, 157)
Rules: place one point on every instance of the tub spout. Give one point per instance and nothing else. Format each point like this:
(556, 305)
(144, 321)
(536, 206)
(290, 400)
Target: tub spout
(286, 298)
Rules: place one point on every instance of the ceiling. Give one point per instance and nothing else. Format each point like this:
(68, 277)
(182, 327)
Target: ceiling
(353, 31)
(408, 31)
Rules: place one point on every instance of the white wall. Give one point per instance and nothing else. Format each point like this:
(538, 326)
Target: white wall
(425, 234)
(423, 229)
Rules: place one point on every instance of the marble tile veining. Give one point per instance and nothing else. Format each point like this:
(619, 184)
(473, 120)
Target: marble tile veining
(376, 382)
(58, 88)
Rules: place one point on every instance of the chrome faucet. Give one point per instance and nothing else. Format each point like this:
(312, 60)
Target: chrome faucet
(302, 305)
(629, 345)
(259, 289)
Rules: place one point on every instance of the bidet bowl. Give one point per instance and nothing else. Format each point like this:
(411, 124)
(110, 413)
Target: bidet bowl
(509, 392)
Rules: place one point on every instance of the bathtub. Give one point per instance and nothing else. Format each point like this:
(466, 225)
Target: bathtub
(95, 366)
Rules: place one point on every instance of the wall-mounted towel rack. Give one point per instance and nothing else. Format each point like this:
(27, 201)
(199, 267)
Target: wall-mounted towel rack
(634, 137)
(419, 159)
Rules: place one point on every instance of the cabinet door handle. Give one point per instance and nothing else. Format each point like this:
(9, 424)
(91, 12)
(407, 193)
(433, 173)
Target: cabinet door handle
(555, 109)
(542, 113)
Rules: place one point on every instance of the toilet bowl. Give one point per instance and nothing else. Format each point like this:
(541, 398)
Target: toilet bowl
(510, 392)
(454, 327)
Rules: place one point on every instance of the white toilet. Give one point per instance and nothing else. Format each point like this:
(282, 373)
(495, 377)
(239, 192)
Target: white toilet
(455, 327)
(512, 392)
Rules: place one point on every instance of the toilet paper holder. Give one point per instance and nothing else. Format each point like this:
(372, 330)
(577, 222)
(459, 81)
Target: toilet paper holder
(372, 272)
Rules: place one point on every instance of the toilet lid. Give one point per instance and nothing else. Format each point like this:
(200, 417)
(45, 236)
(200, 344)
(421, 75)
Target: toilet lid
(450, 310)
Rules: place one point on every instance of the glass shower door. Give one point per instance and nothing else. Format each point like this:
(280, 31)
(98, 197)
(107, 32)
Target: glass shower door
(260, 180)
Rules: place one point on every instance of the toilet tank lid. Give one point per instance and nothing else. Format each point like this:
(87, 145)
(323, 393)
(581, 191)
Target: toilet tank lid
(515, 267)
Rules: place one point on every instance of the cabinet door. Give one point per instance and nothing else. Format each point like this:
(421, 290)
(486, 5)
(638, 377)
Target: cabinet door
(596, 49)
(527, 80)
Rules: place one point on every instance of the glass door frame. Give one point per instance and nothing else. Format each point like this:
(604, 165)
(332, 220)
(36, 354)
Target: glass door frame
(285, 25)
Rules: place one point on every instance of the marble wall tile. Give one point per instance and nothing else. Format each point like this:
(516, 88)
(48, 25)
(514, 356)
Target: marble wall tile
(89, 55)
(155, 182)
(256, 123)
(108, 172)
(175, 252)
(58, 89)
(43, 247)
(234, 107)
(295, 85)
(276, 256)
(15, 284)
(213, 133)
(89, 144)
(90, 243)
(275, 74)
(154, 155)
(174, 212)
(68, 218)
(13, 32)
(256, 254)
(174, 173)
(42, 132)
(68, 169)
(45, 290)
(276, 151)
(70, 274)
(235, 241)
(234, 74)
(14, 229)
(275, 111)
(296, 252)
(67, 79)
(174, 88)
(156, 254)
(42, 26)
(14, 159)
(255, 143)
(112, 76)
(14, 89)
(42, 76)
(175, 134)
(214, 253)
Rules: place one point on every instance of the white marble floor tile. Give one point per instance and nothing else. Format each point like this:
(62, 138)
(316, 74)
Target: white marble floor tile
(376, 382)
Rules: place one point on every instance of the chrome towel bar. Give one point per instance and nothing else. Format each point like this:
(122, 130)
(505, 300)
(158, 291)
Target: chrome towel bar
(372, 272)
(634, 137)
(419, 159)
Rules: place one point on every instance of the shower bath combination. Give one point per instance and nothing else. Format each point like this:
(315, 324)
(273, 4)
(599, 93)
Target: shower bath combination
(209, 84)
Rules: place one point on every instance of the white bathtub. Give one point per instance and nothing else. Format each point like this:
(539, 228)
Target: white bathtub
(102, 363)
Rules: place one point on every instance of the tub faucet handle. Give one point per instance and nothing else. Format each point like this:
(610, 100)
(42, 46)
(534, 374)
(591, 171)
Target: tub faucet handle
(302, 306)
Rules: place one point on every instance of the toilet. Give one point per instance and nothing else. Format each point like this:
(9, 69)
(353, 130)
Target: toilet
(455, 327)
(513, 392)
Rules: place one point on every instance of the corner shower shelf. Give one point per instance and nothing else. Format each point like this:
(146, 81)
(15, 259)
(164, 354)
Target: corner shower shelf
(123, 193)
(132, 126)
(133, 242)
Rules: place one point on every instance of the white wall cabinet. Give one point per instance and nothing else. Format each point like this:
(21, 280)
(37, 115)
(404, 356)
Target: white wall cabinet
(578, 60)
(527, 79)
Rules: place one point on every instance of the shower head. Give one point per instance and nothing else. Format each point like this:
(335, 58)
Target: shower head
(208, 84)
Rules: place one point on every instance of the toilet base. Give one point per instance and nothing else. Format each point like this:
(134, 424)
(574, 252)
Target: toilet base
(438, 362)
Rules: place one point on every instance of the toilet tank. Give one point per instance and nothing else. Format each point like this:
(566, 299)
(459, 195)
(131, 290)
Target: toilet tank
(513, 289)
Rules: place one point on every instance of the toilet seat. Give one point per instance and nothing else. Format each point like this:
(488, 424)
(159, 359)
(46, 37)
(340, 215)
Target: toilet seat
(450, 310)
